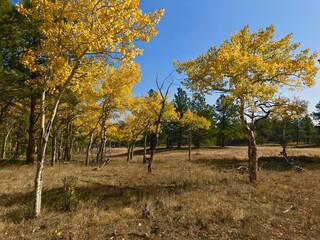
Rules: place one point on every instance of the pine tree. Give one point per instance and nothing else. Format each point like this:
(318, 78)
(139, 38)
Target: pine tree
(227, 119)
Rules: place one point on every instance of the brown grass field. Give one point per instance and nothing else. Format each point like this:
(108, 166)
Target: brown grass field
(206, 198)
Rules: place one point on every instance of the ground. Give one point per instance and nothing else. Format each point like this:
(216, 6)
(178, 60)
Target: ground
(206, 198)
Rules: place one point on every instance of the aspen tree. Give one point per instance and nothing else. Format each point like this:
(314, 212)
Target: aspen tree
(251, 68)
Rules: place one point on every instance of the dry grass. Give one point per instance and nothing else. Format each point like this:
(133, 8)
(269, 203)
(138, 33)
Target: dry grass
(202, 199)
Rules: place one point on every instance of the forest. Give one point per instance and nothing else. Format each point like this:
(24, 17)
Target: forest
(84, 157)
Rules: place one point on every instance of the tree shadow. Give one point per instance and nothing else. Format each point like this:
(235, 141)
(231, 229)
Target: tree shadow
(11, 162)
(280, 164)
(138, 152)
(265, 163)
(109, 197)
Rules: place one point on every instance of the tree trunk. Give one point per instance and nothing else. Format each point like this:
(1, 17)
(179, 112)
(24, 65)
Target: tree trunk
(101, 151)
(132, 150)
(31, 150)
(71, 147)
(89, 149)
(40, 162)
(153, 146)
(45, 130)
(17, 149)
(71, 141)
(252, 145)
(284, 142)
(155, 135)
(66, 151)
(145, 148)
(128, 151)
(54, 148)
(60, 144)
(4, 145)
(252, 151)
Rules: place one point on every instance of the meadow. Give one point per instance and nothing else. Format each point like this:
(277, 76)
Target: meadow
(206, 198)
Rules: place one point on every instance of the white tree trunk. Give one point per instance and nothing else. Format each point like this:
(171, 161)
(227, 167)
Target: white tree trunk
(45, 131)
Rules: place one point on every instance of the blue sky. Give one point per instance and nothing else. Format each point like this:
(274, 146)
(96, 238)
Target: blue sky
(190, 27)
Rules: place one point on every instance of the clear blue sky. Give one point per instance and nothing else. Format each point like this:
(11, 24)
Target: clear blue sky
(190, 27)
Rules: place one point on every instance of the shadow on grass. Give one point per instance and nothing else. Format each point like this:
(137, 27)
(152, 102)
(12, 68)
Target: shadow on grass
(9, 162)
(159, 150)
(103, 196)
(267, 163)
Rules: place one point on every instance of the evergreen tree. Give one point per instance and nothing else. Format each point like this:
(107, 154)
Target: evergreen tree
(316, 115)
(181, 104)
(14, 90)
(308, 130)
(199, 106)
(265, 131)
(227, 121)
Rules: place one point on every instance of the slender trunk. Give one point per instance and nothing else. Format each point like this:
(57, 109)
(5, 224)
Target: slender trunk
(128, 151)
(284, 142)
(103, 148)
(89, 149)
(60, 144)
(153, 146)
(71, 147)
(157, 126)
(17, 148)
(66, 150)
(45, 130)
(31, 150)
(101, 151)
(145, 148)
(71, 141)
(40, 162)
(132, 150)
(4, 145)
(54, 148)
(189, 144)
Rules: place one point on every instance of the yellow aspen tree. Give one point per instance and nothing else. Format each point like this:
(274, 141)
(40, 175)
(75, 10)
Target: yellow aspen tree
(286, 111)
(251, 68)
(192, 122)
(161, 110)
(114, 93)
(79, 39)
(86, 123)
(145, 110)
(131, 131)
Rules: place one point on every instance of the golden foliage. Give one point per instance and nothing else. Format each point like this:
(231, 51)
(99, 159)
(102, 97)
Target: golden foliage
(81, 37)
(194, 122)
(251, 67)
